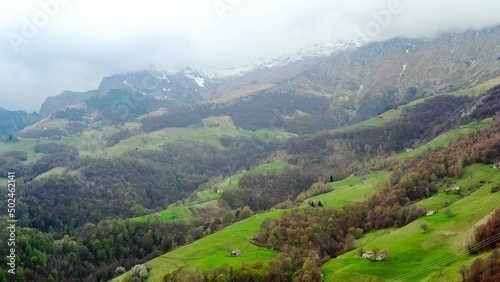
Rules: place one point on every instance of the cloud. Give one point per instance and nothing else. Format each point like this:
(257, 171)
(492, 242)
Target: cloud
(78, 42)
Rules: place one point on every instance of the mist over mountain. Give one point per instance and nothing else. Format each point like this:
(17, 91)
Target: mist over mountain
(67, 52)
(358, 79)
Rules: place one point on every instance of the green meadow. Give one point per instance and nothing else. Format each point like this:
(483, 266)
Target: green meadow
(210, 135)
(94, 142)
(351, 189)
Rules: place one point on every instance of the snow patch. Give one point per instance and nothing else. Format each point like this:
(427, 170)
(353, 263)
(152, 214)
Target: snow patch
(164, 77)
(188, 72)
(402, 72)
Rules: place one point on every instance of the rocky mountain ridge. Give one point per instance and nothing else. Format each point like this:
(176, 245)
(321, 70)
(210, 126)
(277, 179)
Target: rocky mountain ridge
(359, 79)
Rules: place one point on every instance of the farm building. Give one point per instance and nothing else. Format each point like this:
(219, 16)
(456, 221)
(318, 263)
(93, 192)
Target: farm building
(429, 213)
(367, 255)
(236, 253)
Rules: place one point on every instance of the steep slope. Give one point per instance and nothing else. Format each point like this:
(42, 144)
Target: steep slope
(435, 255)
(477, 181)
(14, 121)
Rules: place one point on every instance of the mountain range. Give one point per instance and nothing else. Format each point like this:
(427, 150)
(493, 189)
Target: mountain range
(352, 80)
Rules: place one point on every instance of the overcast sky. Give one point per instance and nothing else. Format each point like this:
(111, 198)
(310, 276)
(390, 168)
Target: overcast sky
(48, 46)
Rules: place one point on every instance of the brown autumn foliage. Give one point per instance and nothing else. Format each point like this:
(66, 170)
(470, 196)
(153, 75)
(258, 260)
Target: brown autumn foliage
(489, 230)
(485, 270)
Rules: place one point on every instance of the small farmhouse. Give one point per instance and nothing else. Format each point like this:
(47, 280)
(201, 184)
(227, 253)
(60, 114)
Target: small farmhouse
(367, 255)
(429, 213)
(236, 253)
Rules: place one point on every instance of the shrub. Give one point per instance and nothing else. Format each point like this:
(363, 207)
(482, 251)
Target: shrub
(495, 188)
(18, 155)
(139, 271)
(448, 212)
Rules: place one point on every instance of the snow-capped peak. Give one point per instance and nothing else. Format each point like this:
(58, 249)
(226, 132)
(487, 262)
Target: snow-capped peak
(317, 50)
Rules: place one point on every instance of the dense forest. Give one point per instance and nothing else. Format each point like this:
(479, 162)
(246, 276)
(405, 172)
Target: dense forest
(125, 186)
(266, 110)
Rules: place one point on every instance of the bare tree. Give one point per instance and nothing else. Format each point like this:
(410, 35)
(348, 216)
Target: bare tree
(448, 212)
(463, 271)
(385, 254)
(425, 226)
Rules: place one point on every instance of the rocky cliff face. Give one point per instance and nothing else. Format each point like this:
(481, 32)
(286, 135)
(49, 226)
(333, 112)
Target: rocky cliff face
(13, 121)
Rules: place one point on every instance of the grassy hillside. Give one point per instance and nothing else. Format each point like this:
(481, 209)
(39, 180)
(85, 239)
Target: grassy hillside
(94, 142)
(214, 250)
(205, 199)
(446, 138)
(396, 113)
(209, 135)
(54, 171)
(352, 189)
(416, 255)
